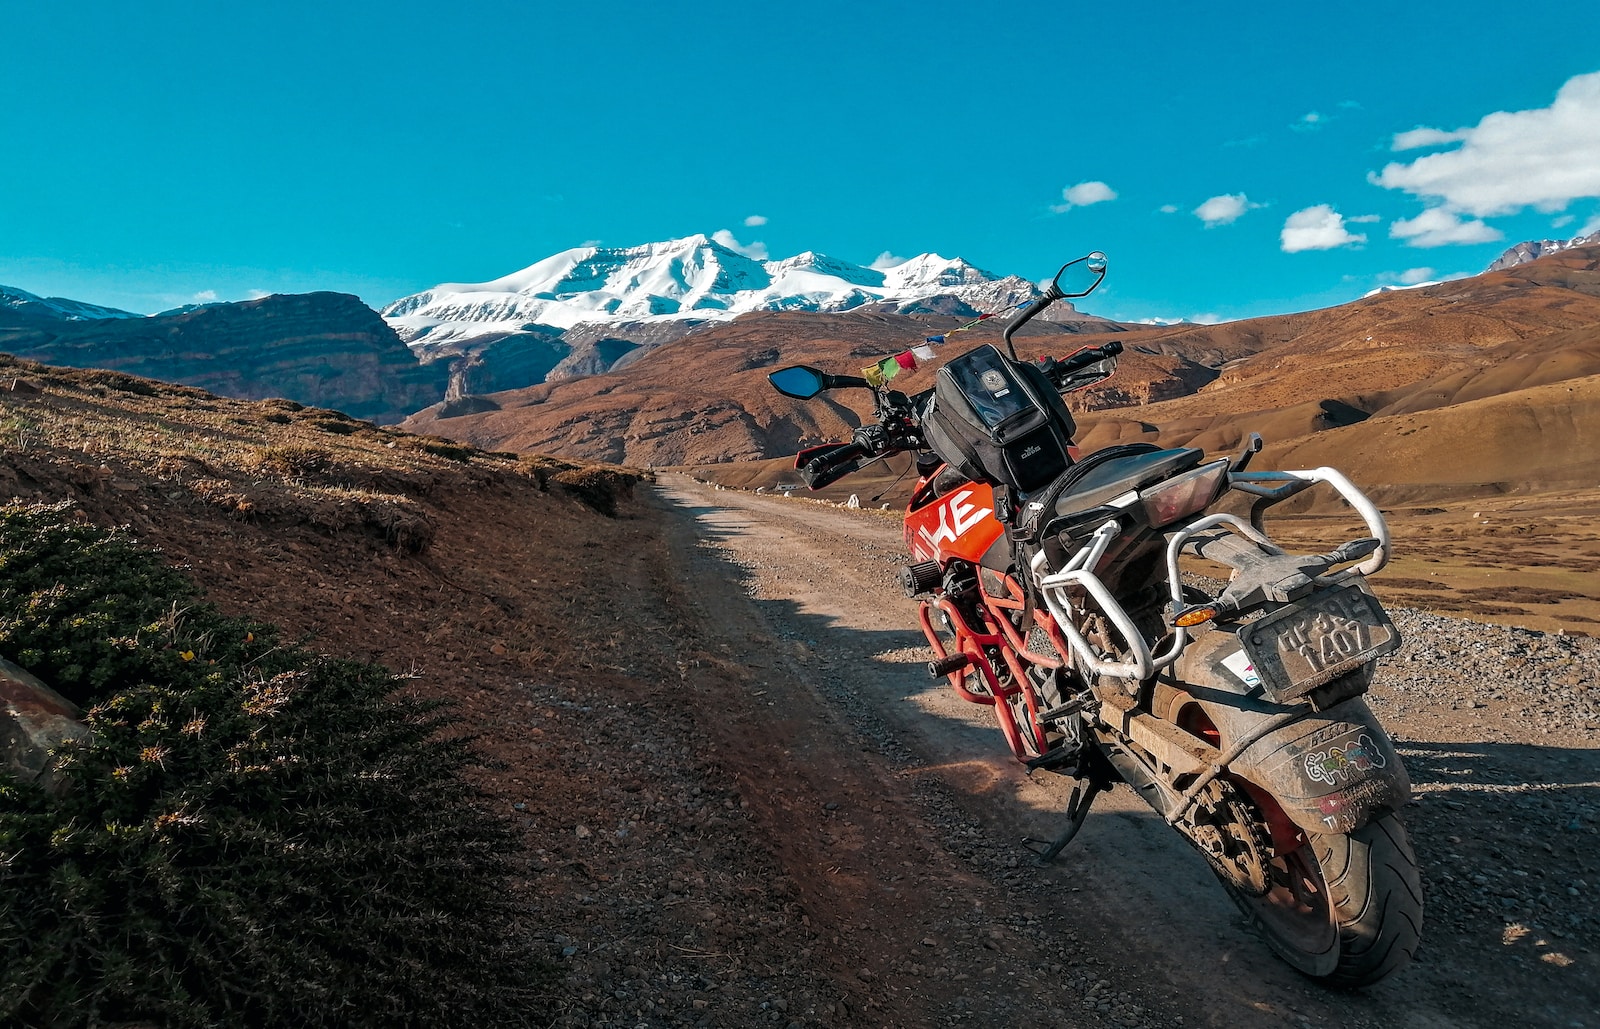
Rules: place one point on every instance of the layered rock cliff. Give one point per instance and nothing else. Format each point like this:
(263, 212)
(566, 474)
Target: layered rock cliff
(320, 349)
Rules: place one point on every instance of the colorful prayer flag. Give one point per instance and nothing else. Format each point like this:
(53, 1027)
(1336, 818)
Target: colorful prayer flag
(906, 361)
(873, 374)
(934, 339)
(923, 351)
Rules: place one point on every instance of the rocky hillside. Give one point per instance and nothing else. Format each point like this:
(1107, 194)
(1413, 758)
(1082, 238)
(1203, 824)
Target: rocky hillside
(19, 309)
(1492, 379)
(1533, 249)
(704, 399)
(613, 749)
(322, 349)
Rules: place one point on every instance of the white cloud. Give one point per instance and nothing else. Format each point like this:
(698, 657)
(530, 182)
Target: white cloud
(1543, 158)
(755, 220)
(205, 296)
(1413, 276)
(1440, 226)
(1317, 228)
(1365, 219)
(886, 260)
(1224, 209)
(1590, 227)
(1310, 122)
(758, 251)
(1421, 137)
(1084, 194)
(1169, 208)
(257, 294)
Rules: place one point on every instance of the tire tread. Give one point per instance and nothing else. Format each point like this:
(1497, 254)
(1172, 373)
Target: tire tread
(1376, 892)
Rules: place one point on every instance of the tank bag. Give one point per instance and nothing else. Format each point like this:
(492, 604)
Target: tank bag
(999, 420)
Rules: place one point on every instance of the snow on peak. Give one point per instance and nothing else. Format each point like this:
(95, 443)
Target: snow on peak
(1533, 249)
(931, 270)
(695, 277)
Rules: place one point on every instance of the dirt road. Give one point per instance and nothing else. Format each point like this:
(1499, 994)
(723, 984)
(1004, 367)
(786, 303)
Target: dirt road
(891, 804)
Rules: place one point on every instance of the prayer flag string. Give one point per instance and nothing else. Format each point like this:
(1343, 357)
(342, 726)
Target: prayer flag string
(881, 372)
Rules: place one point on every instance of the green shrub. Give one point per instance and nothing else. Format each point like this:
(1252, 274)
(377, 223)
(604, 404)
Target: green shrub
(252, 836)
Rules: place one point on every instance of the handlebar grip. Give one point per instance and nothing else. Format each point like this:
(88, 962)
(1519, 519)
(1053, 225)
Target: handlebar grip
(1084, 358)
(819, 466)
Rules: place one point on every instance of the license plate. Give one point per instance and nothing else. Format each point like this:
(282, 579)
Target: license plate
(1298, 648)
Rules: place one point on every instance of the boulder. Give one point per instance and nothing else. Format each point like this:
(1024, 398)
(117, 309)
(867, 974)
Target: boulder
(34, 720)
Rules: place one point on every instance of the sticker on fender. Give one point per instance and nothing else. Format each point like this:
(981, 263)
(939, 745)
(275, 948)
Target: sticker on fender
(1239, 664)
(1337, 764)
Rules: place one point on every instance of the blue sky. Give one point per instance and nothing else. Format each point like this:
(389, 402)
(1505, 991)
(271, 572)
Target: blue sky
(1232, 160)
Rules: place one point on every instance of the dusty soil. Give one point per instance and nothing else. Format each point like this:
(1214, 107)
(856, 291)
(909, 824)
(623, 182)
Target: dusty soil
(1498, 728)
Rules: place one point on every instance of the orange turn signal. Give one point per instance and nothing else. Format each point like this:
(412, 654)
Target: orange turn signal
(1195, 616)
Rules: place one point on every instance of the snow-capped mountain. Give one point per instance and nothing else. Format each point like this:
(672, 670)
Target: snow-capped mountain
(20, 301)
(693, 279)
(1532, 250)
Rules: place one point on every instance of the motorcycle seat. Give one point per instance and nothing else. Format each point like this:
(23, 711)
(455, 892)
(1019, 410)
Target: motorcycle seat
(1101, 476)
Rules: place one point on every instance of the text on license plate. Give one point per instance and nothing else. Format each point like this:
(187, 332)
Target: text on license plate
(1302, 647)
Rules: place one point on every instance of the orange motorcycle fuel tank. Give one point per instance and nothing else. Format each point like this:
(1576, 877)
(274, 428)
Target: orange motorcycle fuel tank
(958, 524)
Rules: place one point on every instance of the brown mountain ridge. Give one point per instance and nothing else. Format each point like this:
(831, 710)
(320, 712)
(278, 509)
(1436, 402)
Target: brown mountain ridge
(1512, 357)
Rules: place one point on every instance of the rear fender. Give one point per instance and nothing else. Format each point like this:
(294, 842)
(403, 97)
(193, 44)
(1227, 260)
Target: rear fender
(1330, 770)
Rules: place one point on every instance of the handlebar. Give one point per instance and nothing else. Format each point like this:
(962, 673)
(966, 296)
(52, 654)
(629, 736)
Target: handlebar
(1024, 316)
(1060, 371)
(897, 429)
(828, 463)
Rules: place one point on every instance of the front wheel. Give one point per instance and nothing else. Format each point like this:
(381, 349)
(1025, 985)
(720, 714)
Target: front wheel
(1344, 909)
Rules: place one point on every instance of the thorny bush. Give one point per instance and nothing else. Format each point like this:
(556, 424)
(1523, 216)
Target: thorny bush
(253, 835)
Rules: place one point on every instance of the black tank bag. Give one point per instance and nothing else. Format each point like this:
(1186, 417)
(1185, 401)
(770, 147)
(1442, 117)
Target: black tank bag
(999, 420)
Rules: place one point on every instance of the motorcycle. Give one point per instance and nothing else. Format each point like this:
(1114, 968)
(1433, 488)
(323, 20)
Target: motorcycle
(1050, 589)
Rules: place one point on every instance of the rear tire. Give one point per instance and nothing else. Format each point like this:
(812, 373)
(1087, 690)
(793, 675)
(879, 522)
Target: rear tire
(1344, 909)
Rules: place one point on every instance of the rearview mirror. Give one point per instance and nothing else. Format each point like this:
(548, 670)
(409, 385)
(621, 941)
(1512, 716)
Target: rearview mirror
(801, 381)
(1079, 278)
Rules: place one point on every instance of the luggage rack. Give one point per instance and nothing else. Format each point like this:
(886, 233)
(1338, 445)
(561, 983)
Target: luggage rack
(1141, 663)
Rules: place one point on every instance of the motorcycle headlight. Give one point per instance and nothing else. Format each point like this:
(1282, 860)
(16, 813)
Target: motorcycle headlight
(1168, 501)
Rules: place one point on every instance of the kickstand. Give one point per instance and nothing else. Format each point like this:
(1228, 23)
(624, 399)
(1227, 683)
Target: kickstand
(1078, 806)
